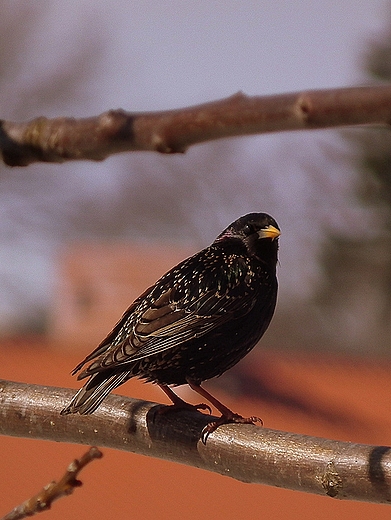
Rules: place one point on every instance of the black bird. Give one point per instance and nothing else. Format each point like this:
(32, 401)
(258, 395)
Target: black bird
(196, 322)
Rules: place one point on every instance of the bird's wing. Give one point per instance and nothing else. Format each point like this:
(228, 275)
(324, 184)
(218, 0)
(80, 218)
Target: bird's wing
(181, 312)
(166, 324)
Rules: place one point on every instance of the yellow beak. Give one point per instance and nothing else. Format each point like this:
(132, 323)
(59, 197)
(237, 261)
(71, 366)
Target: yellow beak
(269, 232)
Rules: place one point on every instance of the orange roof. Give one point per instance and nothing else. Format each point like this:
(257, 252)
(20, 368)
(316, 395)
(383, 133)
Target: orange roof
(328, 396)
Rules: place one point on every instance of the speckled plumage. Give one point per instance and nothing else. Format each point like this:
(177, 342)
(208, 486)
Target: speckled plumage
(196, 322)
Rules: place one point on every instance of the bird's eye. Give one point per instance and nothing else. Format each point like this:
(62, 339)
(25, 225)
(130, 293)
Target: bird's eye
(248, 229)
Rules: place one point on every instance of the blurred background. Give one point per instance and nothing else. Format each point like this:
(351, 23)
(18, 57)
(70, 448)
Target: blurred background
(329, 190)
(80, 241)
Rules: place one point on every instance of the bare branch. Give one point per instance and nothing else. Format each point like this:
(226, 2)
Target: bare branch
(244, 452)
(65, 486)
(173, 131)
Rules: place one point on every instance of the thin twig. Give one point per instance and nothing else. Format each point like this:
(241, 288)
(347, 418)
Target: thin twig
(65, 486)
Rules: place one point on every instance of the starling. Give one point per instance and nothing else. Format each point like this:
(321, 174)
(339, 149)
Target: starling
(197, 321)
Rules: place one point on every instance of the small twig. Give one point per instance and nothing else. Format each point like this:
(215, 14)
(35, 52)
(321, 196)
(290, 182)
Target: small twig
(65, 486)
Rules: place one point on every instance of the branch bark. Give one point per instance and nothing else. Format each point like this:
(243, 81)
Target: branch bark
(96, 138)
(244, 452)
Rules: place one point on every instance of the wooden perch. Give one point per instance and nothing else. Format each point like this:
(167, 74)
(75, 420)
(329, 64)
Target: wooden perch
(173, 131)
(244, 452)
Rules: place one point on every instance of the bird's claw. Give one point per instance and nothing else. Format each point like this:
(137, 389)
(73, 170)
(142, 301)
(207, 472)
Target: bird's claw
(203, 406)
(182, 405)
(232, 419)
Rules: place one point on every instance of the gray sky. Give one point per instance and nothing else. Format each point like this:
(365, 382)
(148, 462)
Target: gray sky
(169, 54)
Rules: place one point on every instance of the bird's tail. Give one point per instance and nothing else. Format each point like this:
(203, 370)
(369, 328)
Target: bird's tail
(90, 396)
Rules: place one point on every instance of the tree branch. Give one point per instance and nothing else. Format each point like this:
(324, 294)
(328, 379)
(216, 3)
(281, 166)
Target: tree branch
(95, 138)
(43, 500)
(244, 452)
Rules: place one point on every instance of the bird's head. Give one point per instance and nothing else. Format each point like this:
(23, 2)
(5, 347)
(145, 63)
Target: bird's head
(257, 232)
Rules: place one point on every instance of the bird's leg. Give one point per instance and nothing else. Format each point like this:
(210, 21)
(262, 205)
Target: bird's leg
(179, 403)
(227, 415)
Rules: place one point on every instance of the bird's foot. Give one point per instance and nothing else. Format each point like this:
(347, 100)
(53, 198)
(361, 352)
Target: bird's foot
(180, 404)
(183, 405)
(228, 419)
